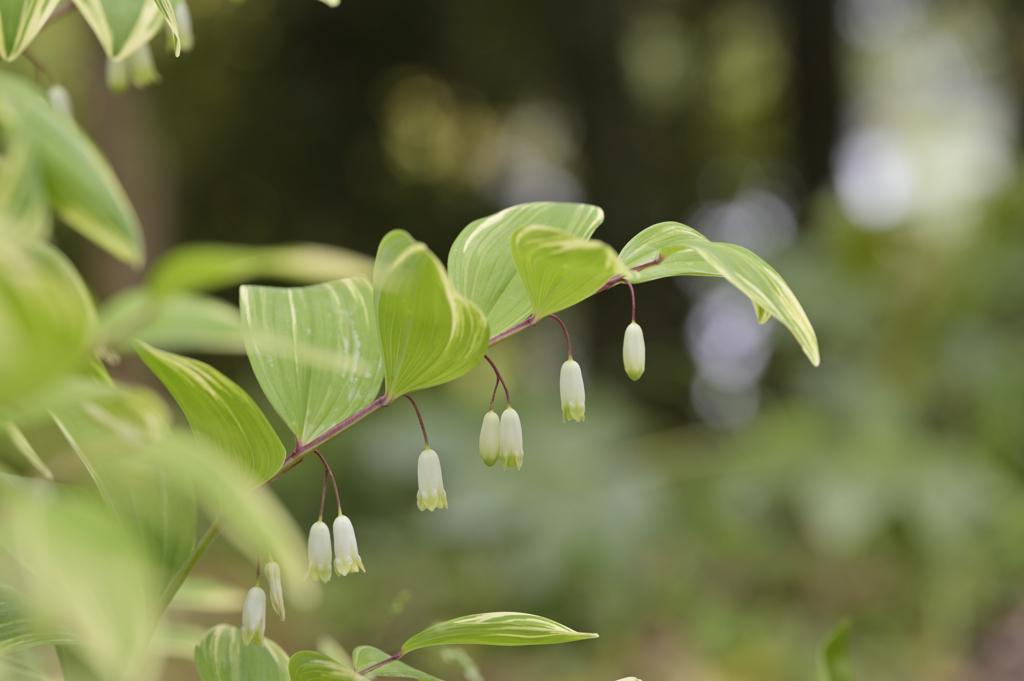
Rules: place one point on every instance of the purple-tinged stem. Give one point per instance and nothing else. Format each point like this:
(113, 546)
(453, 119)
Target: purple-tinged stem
(632, 298)
(380, 664)
(502, 380)
(323, 496)
(331, 473)
(426, 442)
(568, 342)
(529, 321)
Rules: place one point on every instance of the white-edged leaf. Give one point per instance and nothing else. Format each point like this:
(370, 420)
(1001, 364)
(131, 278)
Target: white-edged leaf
(670, 241)
(182, 322)
(314, 350)
(429, 333)
(307, 665)
(80, 184)
(560, 270)
(219, 412)
(480, 261)
(221, 656)
(19, 630)
(122, 26)
(24, 208)
(495, 629)
(20, 23)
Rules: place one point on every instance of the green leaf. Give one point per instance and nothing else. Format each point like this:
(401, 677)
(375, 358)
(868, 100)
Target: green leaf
(166, 8)
(180, 322)
(25, 448)
(47, 317)
(480, 260)
(221, 656)
(367, 656)
(219, 412)
(495, 629)
(309, 666)
(429, 333)
(204, 594)
(560, 270)
(682, 247)
(24, 209)
(833, 656)
(80, 183)
(671, 241)
(214, 266)
(18, 630)
(21, 21)
(314, 351)
(122, 26)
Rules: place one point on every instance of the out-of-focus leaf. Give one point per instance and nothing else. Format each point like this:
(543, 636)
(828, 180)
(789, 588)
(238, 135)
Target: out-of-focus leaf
(429, 333)
(687, 252)
(86, 575)
(15, 669)
(330, 647)
(17, 628)
(560, 270)
(670, 241)
(166, 8)
(47, 318)
(458, 656)
(309, 666)
(219, 412)
(314, 350)
(480, 261)
(20, 23)
(214, 266)
(179, 639)
(180, 322)
(833, 656)
(495, 629)
(221, 656)
(202, 594)
(122, 26)
(25, 448)
(80, 183)
(24, 210)
(367, 656)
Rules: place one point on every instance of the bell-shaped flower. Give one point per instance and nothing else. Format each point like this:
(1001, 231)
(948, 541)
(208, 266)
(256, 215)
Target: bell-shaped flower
(573, 395)
(511, 439)
(254, 616)
(634, 355)
(60, 99)
(428, 472)
(490, 438)
(273, 572)
(346, 553)
(319, 552)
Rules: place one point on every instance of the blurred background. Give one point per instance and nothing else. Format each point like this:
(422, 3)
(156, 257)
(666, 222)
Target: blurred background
(715, 519)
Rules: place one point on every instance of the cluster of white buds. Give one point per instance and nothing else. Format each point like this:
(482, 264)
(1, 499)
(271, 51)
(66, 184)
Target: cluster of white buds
(502, 438)
(571, 388)
(634, 354)
(346, 551)
(254, 611)
(431, 488)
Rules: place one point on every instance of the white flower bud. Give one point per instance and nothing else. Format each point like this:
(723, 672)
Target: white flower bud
(117, 76)
(346, 553)
(634, 355)
(319, 553)
(573, 395)
(428, 471)
(273, 573)
(254, 616)
(511, 439)
(142, 67)
(60, 99)
(490, 438)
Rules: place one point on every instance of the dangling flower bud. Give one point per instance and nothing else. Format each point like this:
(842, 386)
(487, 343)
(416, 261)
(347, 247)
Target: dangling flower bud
(490, 438)
(571, 387)
(142, 67)
(511, 439)
(428, 471)
(319, 553)
(254, 616)
(273, 572)
(60, 99)
(346, 553)
(634, 355)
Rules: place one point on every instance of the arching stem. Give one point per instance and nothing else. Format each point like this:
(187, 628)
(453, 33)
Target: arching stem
(497, 373)
(426, 442)
(568, 342)
(632, 297)
(333, 481)
(323, 497)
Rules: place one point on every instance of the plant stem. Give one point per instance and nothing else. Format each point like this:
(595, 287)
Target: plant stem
(186, 569)
(529, 321)
(323, 496)
(566, 331)
(333, 480)
(380, 664)
(426, 442)
(632, 297)
(501, 380)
